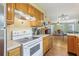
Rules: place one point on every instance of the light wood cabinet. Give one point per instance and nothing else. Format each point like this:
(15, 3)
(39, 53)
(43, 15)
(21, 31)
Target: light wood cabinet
(42, 16)
(10, 13)
(37, 14)
(31, 10)
(77, 47)
(23, 7)
(72, 44)
(39, 23)
(14, 52)
(50, 42)
(47, 44)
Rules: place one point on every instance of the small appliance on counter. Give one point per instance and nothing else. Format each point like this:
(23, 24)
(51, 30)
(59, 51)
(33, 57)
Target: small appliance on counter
(48, 31)
(36, 31)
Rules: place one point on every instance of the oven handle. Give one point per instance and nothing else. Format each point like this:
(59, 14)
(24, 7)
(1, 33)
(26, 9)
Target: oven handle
(33, 44)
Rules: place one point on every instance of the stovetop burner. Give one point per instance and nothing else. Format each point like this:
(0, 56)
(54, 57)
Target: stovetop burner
(24, 40)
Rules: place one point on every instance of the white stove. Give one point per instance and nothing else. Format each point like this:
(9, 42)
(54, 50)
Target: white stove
(31, 46)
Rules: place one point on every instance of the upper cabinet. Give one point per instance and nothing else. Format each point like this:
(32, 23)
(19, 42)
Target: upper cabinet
(31, 10)
(27, 9)
(37, 14)
(10, 13)
(22, 7)
(41, 16)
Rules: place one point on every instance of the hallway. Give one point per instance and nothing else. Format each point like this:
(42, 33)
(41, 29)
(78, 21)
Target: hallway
(59, 47)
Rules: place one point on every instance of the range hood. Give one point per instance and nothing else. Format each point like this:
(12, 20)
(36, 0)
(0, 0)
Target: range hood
(24, 16)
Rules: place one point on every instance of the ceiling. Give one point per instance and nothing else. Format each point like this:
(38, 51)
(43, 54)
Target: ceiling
(53, 10)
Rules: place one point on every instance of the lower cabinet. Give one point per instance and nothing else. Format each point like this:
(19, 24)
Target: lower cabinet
(14, 52)
(72, 44)
(78, 50)
(46, 44)
(77, 47)
(50, 42)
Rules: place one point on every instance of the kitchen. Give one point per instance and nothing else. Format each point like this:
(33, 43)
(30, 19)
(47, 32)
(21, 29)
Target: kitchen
(41, 29)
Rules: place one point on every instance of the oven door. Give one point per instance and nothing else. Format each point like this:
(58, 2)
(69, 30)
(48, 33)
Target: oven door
(34, 49)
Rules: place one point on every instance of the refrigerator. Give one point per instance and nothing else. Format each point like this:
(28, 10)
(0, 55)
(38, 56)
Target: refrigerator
(2, 30)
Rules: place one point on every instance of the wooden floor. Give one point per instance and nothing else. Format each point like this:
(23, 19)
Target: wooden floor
(59, 47)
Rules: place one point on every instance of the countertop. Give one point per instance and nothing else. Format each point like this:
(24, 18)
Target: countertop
(73, 34)
(42, 35)
(12, 44)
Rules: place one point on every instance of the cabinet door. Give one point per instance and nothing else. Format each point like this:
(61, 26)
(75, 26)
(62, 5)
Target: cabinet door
(10, 13)
(75, 44)
(37, 14)
(22, 7)
(45, 45)
(39, 17)
(42, 16)
(50, 42)
(71, 44)
(77, 47)
(38, 23)
(78, 50)
(31, 10)
(14, 52)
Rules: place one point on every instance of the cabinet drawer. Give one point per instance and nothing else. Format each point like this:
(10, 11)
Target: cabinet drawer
(14, 52)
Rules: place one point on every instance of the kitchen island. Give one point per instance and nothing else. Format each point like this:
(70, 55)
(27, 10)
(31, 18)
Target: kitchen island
(73, 43)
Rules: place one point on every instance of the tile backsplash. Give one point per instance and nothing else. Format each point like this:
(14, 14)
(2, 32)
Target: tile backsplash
(18, 25)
